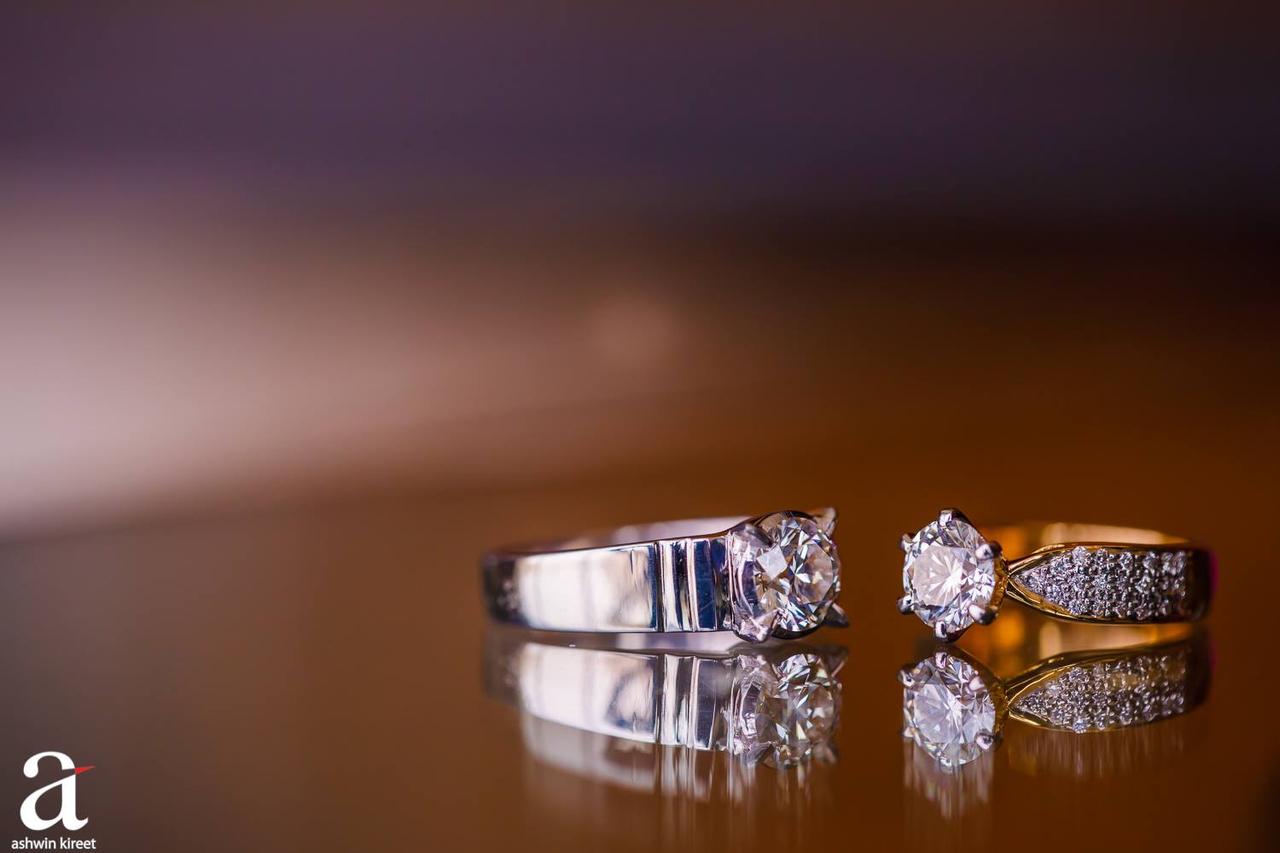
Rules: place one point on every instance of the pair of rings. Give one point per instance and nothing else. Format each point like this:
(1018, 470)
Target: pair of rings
(778, 576)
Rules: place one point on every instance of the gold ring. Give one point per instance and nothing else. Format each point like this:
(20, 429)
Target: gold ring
(954, 575)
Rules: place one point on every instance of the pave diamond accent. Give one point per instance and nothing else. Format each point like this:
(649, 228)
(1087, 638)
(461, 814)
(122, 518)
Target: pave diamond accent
(788, 713)
(943, 576)
(1112, 583)
(785, 575)
(948, 709)
(1110, 694)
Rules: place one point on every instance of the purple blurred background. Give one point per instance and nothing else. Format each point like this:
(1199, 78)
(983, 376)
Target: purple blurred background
(267, 253)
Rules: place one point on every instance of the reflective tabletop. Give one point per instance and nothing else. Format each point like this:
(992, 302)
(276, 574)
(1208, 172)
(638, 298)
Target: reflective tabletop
(327, 679)
(308, 664)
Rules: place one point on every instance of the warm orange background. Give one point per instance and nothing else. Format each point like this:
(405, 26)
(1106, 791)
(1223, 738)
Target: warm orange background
(302, 312)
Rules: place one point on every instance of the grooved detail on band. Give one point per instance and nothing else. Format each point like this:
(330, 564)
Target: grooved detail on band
(1112, 583)
(688, 597)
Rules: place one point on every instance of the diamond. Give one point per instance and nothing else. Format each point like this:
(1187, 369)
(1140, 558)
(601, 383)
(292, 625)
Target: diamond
(943, 576)
(785, 575)
(1034, 579)
(948, 709)
(788, 713)
(1099, 582)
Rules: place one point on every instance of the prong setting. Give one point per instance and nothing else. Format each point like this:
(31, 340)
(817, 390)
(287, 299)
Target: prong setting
(905, 605)
(942, 632)
(988, 550)
(784, 576)
(826, 517)
(952, 575)
(836, 617)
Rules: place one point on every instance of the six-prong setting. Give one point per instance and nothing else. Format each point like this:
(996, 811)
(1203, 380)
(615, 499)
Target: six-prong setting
(952, 576)
(784, 575)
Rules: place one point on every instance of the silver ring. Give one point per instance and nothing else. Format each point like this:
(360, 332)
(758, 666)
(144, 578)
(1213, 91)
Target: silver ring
(775, 575)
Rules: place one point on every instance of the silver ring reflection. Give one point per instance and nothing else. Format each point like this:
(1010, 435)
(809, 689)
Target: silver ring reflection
(772, 705)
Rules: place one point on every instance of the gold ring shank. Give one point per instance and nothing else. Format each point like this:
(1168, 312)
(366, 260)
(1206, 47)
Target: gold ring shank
(1103, 574)
(1031, 536)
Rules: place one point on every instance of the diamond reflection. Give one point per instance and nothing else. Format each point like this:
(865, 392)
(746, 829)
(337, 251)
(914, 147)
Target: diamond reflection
(788, 710)
(949, 708)
(589, 710)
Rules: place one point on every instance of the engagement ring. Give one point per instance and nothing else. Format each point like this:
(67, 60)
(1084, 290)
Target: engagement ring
(775, 575)
(953, 575)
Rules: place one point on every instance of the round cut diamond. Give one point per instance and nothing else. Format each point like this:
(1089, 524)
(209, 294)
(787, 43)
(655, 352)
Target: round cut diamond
(948, 710)
(788, 712)
(948, 584)
(784, 575)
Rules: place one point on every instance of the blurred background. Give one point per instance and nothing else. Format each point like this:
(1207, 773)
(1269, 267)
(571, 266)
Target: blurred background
(302, 307)
(257, 254)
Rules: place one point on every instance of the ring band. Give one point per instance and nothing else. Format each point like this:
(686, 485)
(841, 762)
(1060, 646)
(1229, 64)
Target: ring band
(776, 575)
(953, 575)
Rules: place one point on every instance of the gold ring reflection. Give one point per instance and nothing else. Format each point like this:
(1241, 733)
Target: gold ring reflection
(1048, 699)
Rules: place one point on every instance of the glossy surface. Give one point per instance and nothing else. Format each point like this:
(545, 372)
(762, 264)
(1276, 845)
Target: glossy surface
(299, 680)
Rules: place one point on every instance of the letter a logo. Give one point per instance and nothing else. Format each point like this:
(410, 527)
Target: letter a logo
(67, 785)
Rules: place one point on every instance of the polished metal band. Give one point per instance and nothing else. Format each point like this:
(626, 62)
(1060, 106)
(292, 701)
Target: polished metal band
(668, 576)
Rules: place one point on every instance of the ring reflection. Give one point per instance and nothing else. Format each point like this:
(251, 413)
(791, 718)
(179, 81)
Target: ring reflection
(1083, 714)
(656, 719)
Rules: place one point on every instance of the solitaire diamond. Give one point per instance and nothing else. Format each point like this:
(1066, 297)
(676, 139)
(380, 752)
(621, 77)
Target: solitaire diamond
(784, 575)
(948, 710)
(789, 712)
(949, 575)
